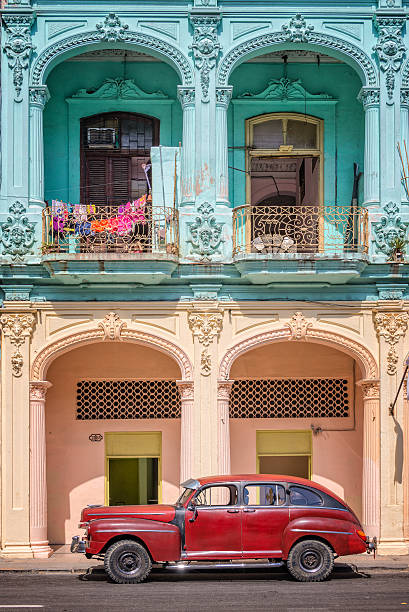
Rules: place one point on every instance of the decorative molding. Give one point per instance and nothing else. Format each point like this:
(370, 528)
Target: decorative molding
(223, 96)
(39, 96)
(111, 29)
(114, 89)
(391, 292)
(76, 41)
(205, 363)
(224, 390)
(404, 97)
(205, 326)
(186, 96)
(38, 390)
(205, 233)
(285, 89)
(369, 97)
(18, 48)
(392, 327)
(389, 228)
(370, 389)
(298, 326)
(17, 327)
(55, 28)
(342, 343)
(390, 48)
(163, 27)
(297, 31)
(90, 336)
(206, 48)
(237, 53)
(186, 390)
(17, 293)
(112, 326)
(17, 233)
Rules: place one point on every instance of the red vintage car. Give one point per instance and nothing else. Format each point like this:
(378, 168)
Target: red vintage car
(227, 521)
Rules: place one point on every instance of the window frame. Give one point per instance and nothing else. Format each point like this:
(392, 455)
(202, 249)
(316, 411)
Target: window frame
(311, 490)
(218, 485)
(284, 485)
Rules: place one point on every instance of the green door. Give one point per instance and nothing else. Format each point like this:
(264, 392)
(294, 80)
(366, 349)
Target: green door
(133, 481)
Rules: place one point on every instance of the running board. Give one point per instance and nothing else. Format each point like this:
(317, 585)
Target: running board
(216, 565)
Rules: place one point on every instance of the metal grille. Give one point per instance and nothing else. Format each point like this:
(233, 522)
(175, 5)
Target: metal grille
(289, 398)
(127, 399)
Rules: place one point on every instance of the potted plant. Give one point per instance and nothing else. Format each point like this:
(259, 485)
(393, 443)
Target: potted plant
(397, 249)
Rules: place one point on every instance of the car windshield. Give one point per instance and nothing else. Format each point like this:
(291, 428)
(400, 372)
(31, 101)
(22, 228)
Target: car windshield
(184, 497)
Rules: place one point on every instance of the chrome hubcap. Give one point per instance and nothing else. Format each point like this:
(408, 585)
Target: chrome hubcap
(311, 561)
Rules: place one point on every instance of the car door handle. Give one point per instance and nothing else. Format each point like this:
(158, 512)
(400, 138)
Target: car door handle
(249, 509)
(233, 511)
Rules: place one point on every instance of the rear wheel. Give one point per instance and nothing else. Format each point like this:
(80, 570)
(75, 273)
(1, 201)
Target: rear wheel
(310, 561)
(127, 562)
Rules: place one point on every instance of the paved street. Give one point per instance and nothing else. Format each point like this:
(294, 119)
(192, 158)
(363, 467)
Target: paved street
(240, 591)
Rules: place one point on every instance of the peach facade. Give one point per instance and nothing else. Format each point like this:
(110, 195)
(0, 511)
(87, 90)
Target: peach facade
(53, 469)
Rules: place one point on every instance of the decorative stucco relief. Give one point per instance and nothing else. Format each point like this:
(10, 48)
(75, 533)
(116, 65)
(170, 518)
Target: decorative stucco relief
(38, 390)
(370, 389)
(390, 49)
(285, 89)
(206, 48)
(112, 29)
(391, 326)
(237, 53)
(96, 37)
(115, 89)
(186, 96)
(369, 97)
(18, 48)
(297, 31)
(224, 390)
(389, 228)
(112, 326)
(17, 233)
(205, 233)
(298, 326)
(205, 326)
(17, 327)
(186, 390)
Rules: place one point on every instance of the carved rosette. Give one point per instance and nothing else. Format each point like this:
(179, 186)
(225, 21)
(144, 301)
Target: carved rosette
(186, 390)
(391, 326)
(297, 31)
(17, 233)
(17, 327)
(389, 228)
(112, 327)
(18, 48)
(390, 49)
(186, 96)
(298, 326)
(370, 389)
(369, 97)
(111, 29)
(38, 390)
(206, 48)
(205, 326)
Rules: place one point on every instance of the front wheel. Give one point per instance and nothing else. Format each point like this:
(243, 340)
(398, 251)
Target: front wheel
(127, 562)
(310, 561)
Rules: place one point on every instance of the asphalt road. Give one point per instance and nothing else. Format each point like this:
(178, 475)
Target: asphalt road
(196, 592)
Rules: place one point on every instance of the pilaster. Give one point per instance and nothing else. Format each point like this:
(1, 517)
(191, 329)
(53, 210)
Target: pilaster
(223, 97)
(39, 97)
(186, 391)
(223, 406)
(187, 97)
(370, 99)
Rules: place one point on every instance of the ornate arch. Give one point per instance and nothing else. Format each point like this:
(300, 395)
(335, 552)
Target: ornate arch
(98, 38)
(310, 334)
(111, 329)
(361, 60)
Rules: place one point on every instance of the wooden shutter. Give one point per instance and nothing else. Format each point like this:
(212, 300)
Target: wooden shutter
(120, 189)
(96, 180)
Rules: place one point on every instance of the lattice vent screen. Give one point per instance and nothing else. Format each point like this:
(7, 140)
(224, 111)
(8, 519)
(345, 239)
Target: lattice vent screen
(127, 399)
(289, 398)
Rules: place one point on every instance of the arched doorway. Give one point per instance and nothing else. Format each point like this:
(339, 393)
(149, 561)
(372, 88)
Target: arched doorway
(113, 418)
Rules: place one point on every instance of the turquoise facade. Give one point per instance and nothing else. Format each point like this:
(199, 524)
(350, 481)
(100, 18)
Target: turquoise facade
(203, 70)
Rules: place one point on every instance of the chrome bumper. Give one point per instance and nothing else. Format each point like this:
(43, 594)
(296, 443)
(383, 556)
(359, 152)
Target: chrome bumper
(77, 545)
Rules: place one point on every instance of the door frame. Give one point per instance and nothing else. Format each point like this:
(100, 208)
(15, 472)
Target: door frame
(286, 454)
(143, 455)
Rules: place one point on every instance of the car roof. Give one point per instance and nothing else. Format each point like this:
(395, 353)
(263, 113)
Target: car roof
(267, 478)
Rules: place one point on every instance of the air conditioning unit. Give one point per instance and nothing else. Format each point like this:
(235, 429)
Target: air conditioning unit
(101, 138)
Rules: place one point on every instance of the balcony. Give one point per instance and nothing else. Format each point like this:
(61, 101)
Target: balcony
(327, 244)
(135, 242)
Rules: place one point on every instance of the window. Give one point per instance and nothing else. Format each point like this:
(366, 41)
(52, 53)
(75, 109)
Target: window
(114, 149)
(299, 496)
(264, 495)
(300, 133)
(219, 495)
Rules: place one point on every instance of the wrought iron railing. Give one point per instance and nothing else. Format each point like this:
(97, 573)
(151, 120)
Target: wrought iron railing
(332, 230)
(111, 229)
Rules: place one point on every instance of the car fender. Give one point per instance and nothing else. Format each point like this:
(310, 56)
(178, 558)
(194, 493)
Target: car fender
(162, 540)
(340, 534)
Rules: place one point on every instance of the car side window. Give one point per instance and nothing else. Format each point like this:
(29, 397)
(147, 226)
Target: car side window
(264, 495)
(218, 495)
(300, 496)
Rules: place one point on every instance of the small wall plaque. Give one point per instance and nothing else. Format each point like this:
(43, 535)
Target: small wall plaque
(96, 437)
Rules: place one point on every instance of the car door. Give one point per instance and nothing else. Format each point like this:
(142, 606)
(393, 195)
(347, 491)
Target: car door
(265, 516)
(213, 523)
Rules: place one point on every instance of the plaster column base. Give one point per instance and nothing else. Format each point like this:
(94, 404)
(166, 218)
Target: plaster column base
(389, 546)
(17, 551)
(41, 550)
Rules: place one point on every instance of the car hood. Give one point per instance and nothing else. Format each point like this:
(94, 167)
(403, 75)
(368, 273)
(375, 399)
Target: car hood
(157, 512)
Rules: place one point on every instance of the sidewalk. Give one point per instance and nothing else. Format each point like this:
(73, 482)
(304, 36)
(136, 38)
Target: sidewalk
(64, 561)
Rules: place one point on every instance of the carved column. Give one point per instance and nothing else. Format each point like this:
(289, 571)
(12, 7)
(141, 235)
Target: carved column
(391, 327)
(223, 404)
(38, 476)
(404, 129)
(15, 433)
(186, 390)
(223, 97)
(38, 99)
(370, 100)
(186, 97)
(371, 457)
